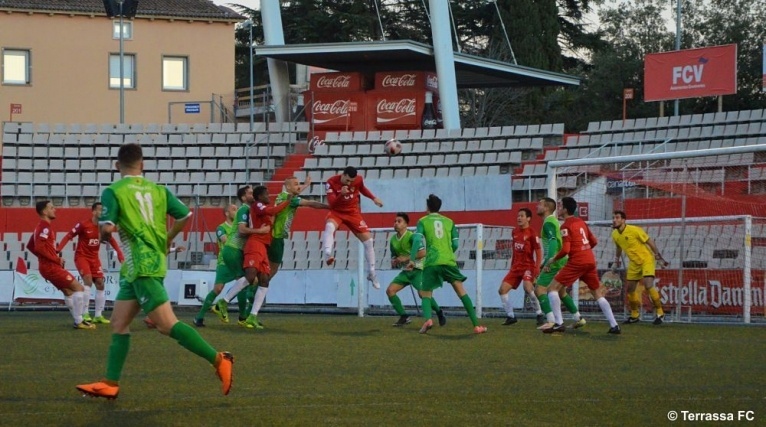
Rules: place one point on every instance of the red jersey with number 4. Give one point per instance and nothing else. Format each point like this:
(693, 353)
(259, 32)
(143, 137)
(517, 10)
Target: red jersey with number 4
(525, 243)
(576, 235)
(348, 203)
(88, 240)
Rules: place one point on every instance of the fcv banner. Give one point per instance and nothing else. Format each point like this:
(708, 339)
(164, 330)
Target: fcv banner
(691, 73)
(30, 285)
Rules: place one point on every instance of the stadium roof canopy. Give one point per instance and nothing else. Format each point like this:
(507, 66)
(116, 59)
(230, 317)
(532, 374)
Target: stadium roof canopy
(404, 55)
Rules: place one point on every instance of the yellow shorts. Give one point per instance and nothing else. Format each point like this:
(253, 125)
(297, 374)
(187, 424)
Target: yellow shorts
(639, 271)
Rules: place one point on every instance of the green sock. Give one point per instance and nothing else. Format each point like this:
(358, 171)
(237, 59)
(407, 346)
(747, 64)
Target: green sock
(251, 290)
(191, 340)
(545, 304)
(206, 304)
(435, 306)
(118, 352)
(397, 303)
(468, 304)
(426, 305)
(569, 303)
(242, 302)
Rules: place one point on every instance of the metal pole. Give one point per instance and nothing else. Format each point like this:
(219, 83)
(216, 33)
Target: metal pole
(250, 54)
(678, 42)
(122, 71)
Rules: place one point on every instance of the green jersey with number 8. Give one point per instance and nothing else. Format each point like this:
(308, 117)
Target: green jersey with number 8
(439, 233)
(139, 208)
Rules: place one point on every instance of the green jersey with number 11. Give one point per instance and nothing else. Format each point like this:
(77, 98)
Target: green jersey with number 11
(139, 208)
(441, 239)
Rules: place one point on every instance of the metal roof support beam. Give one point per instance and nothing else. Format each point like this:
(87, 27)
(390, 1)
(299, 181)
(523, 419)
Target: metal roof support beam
(278, 71)
(445, 62)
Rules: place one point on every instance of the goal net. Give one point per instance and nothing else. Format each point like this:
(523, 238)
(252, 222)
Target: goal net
(706, 212)
(483, 256)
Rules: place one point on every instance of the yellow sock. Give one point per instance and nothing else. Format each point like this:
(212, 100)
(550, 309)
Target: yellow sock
(655, 297)
(634, 300)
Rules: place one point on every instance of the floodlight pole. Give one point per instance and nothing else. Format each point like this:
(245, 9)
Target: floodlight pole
(122, 71)
(249, 24)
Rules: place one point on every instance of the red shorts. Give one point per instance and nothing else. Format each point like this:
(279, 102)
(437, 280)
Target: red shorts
(353, 221)
(56, 274)
(515, 277)
(256, 256)
(584, 272)
(89, 266)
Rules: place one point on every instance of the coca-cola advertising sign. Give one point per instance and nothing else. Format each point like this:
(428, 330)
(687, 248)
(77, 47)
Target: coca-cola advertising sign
(337, 82)
(394, 109)
(406, 80)
(335, 110)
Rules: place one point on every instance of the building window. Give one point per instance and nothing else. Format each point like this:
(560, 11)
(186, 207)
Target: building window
(16, 67)
(175, 73)
(128, 71)
(127, 30)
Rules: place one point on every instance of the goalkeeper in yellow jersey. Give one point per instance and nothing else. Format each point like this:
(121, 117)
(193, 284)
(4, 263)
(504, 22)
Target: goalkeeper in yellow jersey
(642, 253)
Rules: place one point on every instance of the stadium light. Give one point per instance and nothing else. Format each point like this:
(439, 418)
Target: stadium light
(123, 9)
(249, 25)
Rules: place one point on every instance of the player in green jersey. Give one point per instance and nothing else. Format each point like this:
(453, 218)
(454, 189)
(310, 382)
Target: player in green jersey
(401, 245)
(441, 242)
(233, 257)
(139, 209)
(551, 242)
(283, 221)
(222, 276)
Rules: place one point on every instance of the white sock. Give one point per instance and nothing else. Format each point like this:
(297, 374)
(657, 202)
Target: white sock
(77, 307)
(550, 318)
(553, 297)
(369, 255)
(506, 299)
(328, 239)
(260, 297)
(85, 299)
(240, 284)
(69, 304)
(535, 302)
(576, 316)
(607, 309)
(100, 302)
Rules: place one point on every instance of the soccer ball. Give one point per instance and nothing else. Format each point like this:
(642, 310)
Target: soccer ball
(393, 147)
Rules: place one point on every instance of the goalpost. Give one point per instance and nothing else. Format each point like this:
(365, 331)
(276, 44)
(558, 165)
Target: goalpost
(483, 255)
(706, 211)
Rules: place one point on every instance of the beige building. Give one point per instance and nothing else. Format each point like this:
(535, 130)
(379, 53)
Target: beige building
(59, 61)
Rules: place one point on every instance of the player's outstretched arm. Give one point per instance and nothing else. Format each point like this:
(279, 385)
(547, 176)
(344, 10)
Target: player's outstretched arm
(313, 204)
(69, 236)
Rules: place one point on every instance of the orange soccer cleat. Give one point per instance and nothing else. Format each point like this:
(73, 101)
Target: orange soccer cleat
(100, 389)
(223, 368)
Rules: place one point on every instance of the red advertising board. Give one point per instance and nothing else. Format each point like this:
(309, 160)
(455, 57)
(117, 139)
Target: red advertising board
(401, 109)
(336, 110)
(709, 291)
(406, 80)
(707, 71)
(338, 82)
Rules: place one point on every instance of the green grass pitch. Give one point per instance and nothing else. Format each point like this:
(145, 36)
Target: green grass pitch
(310, 370)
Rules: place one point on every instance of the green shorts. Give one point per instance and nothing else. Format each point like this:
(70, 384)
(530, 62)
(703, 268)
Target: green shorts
(435, 276)
(545, 279)
(233, 259)
(276, 250)
(148, 291)
(223, 274)
(412, 277)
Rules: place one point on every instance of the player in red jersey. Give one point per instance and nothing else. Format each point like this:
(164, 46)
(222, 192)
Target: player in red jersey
(42, 244)
(256, 248)
(578, 244)
(343, 197)
(527, 255)
(87, 261)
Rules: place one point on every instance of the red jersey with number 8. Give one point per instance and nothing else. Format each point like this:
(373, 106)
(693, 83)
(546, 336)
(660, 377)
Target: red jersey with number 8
(581, 241)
